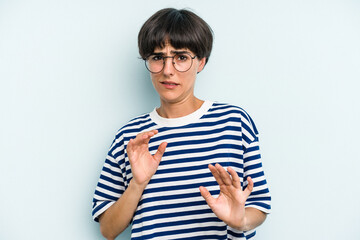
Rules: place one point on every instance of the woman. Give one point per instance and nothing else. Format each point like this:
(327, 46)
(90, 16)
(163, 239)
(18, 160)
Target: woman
(164, 172)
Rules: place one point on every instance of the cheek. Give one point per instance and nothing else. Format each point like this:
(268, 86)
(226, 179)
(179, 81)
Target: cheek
(192, 75)
(153, 79)
(190, 79)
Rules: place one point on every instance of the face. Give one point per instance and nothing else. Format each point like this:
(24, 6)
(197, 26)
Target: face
(174, 86)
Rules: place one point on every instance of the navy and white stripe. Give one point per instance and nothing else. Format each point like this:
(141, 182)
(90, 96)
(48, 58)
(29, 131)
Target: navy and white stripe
(171, 206)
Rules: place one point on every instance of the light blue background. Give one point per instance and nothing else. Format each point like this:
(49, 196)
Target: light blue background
(71, 77)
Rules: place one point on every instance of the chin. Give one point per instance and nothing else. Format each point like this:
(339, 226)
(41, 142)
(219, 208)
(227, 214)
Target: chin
(170, 99)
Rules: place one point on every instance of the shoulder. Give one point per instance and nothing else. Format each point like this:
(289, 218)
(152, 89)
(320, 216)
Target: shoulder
(225, 109)
(132, 128)
(136, 125)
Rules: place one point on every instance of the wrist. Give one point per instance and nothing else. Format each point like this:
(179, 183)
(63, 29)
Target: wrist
(240, 225)
(252, 219)
(138, 187)
(244, 226)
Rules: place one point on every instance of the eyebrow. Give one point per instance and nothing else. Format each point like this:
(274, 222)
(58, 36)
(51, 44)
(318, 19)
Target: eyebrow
(173, 52)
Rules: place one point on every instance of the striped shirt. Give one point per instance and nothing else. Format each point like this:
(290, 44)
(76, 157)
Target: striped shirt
(171, 206)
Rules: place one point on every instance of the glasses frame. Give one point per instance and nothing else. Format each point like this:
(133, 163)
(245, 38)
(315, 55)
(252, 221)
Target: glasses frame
(173, 62)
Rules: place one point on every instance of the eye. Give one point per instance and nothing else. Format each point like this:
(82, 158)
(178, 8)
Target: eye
(156, 58)
(182, 57)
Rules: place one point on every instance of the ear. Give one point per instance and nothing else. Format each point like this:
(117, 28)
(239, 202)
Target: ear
(201, 64)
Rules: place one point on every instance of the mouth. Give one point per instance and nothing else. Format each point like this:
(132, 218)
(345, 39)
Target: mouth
(169, 83)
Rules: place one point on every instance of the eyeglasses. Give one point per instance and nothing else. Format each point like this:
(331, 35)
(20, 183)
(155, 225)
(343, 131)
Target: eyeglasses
(182, 62)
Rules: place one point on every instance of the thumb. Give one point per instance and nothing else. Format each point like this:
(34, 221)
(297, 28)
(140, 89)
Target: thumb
(249, 187)
(207, 196)
(160, 151)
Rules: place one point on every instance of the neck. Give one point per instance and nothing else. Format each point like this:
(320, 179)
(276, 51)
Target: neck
(179, 109)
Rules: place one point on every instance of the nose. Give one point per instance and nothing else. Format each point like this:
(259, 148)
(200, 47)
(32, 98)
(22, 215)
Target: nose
(168, 66)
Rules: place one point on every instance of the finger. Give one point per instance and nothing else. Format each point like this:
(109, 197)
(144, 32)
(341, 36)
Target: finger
(149, 134)
(210, 200)
(216, 174)
(160, 151)
(144, 138)
(225, 177)
(130, 150)
(249, 187)
(130, 143)
(235, 178)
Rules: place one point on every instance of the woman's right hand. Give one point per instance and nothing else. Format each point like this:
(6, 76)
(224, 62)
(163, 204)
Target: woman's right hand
(143, 164)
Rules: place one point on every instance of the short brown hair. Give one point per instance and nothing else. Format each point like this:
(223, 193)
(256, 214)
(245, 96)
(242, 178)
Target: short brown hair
(182, 28)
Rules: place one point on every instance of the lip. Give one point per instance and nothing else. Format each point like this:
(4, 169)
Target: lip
(169, 84)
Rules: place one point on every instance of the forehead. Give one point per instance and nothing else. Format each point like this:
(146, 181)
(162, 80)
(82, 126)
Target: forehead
(168, 48)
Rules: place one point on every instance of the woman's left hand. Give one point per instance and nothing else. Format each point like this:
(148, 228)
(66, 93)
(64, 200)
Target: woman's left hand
(229, 206)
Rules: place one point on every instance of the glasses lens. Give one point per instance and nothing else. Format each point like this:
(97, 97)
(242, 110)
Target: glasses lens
(154, 63)
(182, 62)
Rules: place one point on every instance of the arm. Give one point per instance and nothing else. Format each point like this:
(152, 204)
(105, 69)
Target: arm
(143, 166)
(116, 219)
(230, 204)
(253, 218)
